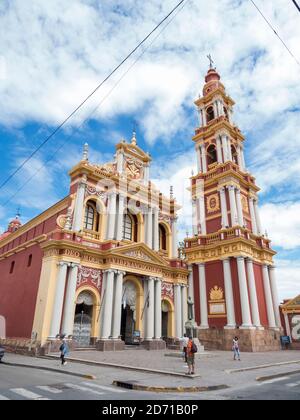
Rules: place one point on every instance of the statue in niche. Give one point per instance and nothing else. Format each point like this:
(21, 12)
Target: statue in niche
(190, 309)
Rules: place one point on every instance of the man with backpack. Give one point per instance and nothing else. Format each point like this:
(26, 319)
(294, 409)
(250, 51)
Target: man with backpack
(190, 351)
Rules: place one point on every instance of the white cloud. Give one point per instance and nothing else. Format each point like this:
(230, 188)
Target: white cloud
(56, 53)
(282, 223)
(288, 277)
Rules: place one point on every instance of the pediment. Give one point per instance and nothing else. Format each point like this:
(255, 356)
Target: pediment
(292, 303)
(140, 252)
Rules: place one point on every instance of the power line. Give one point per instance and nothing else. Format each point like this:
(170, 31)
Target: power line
(296, 4)
(51, 158)
(89, 96)
(276, 33)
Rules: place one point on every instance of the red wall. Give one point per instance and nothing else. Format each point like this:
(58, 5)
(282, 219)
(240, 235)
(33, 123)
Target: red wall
(215, 277)
(19, 291)
(236, 291)
(213, 225)
(260, 294)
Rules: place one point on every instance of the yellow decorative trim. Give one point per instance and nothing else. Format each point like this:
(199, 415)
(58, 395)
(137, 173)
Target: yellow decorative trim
(213, 203)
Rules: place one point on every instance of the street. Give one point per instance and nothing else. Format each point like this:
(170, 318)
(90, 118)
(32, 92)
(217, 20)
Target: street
(18, 383)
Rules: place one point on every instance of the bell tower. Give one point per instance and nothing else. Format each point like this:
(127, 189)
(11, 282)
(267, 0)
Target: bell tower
(232, 279)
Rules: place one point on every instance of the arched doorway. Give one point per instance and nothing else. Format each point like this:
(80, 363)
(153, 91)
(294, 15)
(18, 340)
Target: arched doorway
(83, 319)
(128, 320)
(167, 319)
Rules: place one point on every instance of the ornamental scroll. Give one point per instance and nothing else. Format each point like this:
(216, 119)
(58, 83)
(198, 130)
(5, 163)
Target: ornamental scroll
(167, 290)
(90, 276)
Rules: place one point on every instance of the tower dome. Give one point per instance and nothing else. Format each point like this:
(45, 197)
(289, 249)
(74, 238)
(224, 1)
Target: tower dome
(212, 82)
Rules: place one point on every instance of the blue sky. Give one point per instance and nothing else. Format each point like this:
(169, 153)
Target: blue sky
(53, 54)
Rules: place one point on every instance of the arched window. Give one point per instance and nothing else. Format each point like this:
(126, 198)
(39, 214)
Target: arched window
(211, 154)
(162, 238)
(12, 267)
(29, 261)
(234, 155)
(130, 227)
(210, 114)
(226, 113)
(91, 217)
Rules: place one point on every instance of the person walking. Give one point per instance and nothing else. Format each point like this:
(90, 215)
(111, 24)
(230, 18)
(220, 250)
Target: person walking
(236, 349)
(64, 350)
(185, 341)
(190, 353)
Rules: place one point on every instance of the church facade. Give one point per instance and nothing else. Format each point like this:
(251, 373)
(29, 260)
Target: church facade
(102, 268)
(230, 259)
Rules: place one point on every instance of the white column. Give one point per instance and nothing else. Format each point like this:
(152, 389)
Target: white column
(112, 210)
(233, 209)
(287, 326)
(117, 308)
(184, 307)
(203, 297)
(58, 299)
(215, 105)
(231, 323)
(199, 159)
(107, 305)
(204, 117)
(191, 283)
(120, 161)
(257, 218)
(157, 321)
(202, 217)
(79, 205)
(200, 117)
(225, 148)
(194, 216)
(274, 292)
(120, 218)
(245, 306)
(253, 294)
(150, 310)
(150, 228)
(203, 155)
(70, 303)
(243, 159)
(239, 207)
(225, 222)
(156, 229)
(146, 173)
(229, 149)
(178, 310)
(239, 156)
(252, 214)
(174, 238)
(268, 297)
(221, 108)
(219, 150)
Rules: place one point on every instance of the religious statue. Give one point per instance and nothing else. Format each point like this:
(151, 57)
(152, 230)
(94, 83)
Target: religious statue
(190, 309)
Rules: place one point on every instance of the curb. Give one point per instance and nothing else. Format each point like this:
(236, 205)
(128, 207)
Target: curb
(292, 362)
(278, 375)
(111, 365)
(150, 388)
(79, 375)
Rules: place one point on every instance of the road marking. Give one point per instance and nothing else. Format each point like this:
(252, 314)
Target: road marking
(2, 398)
(271, 381)
(28, 394)
(105, 388)
(49, 389)
(84, 389)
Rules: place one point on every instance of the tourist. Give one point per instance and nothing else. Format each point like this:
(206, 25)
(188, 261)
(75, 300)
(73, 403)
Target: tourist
(236, 349)
(190, 353)
(64, 350)
(185, 341)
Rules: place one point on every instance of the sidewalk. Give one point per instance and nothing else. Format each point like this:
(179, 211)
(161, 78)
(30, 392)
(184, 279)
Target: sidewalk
(212, 368)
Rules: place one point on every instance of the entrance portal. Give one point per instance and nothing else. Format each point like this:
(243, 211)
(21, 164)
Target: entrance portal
(127, 325)
(83, 319)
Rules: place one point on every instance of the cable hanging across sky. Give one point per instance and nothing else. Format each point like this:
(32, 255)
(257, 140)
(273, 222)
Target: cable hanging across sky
(88, 97)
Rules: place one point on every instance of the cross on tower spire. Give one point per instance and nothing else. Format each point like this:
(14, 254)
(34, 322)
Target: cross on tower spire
(211, 61)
